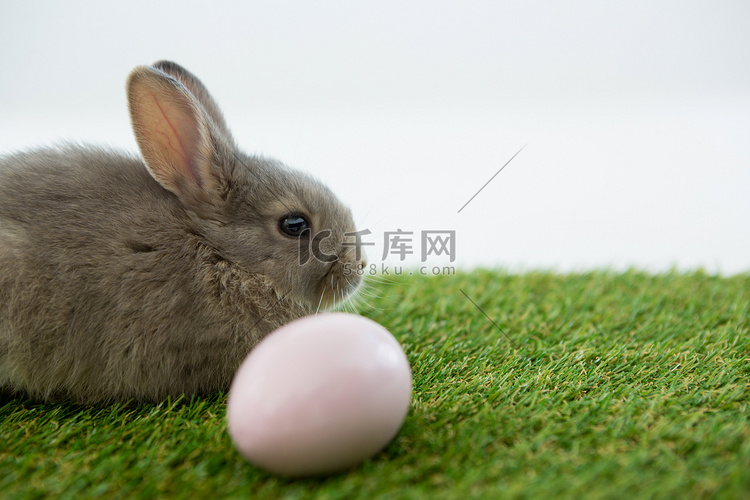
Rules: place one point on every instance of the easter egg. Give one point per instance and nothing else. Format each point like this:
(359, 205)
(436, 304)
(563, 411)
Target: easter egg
(319, 395)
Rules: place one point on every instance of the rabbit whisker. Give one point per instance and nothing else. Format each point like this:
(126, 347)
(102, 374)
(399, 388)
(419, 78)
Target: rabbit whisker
(322, 292)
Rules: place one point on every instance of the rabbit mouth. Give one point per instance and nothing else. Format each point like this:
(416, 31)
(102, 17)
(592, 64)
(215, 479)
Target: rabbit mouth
(338, 284)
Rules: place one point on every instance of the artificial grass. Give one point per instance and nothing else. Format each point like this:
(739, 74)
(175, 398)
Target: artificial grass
(600, 385)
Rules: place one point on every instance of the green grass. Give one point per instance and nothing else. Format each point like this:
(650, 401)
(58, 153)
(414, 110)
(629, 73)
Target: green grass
(602, 385)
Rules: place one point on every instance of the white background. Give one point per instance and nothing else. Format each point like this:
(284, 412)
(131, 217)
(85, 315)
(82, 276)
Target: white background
(636, 114)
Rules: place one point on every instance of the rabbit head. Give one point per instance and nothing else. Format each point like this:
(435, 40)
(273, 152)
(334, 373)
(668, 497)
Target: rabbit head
(260, 214)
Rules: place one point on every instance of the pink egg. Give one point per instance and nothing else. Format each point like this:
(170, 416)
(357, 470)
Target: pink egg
(319, 395)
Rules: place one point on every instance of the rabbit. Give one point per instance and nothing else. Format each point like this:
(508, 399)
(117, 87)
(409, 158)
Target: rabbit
(126, 279)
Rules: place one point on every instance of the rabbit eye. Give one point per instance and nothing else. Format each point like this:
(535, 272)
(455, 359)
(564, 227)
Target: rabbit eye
(294, 225)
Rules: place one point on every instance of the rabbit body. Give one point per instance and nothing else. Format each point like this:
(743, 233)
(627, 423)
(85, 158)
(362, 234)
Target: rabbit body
(129, 280)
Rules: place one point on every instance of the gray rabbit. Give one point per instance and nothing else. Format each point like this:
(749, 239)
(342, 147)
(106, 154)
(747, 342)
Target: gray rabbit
(128, 279)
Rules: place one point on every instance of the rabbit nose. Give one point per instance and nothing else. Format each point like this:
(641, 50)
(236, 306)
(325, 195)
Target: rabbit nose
(360, 265)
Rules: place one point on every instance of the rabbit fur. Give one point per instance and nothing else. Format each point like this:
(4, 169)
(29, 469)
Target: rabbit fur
(136, 279)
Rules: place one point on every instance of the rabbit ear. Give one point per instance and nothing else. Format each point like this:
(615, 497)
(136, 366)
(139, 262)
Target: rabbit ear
(200, 92)
(176, 138)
